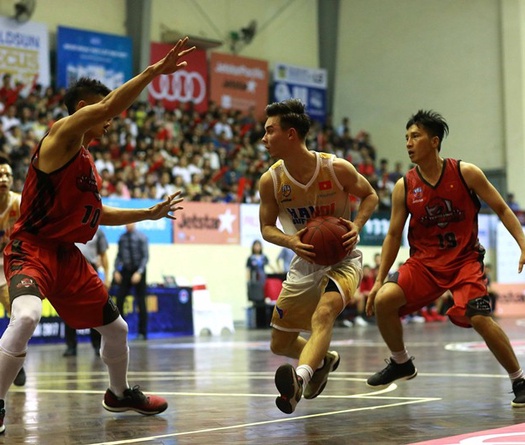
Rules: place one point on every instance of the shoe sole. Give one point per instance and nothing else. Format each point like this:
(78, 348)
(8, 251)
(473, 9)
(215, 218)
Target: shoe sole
(322, 387)
(284, 381)
(517, 405)
(386, 385)
(137, 410)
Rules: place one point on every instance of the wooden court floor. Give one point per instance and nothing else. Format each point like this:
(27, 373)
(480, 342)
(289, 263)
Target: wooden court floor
(221, 391)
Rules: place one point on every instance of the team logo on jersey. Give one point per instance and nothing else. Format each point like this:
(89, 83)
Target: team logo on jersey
(325, 185)
(417, 193)
(88, 184)
(286, 190)
(440, 212)
(280, 312)
(26, 282)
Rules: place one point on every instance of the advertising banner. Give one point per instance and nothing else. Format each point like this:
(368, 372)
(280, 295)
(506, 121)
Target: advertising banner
(207, 223)
(158, 232)
(510, 300)
(306, 84)
(24, 51)
(375, 229)
(105, 57)
(250, 227)
(189, 85)
(239, 83)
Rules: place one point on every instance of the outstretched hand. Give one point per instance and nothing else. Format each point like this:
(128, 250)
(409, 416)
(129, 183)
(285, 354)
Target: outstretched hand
(171, 62)
(165, 208)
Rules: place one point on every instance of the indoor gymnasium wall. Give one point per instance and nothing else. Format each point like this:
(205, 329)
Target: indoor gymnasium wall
(395, 57)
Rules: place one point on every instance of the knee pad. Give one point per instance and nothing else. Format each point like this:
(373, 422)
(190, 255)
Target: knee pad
(479, 306)
(25, 315)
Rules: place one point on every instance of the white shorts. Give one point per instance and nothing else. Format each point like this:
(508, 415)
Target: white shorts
(306, 283)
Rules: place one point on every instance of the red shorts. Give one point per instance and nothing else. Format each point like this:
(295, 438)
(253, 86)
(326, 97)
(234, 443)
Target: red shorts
(422, 287)
(63, 276)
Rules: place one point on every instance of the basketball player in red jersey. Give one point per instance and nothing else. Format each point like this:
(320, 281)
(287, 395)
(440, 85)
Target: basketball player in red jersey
(61, 205)
(441, 197)
(299, 186)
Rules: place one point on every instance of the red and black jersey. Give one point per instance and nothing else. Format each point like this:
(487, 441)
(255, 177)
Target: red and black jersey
(63, 206)
(443, 227)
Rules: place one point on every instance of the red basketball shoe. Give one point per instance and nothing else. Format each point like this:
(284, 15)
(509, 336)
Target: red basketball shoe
(134, 400)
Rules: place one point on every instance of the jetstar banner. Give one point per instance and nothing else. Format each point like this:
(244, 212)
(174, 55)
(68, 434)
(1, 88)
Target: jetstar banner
(188, 85)
(207, 223)
(239, 83)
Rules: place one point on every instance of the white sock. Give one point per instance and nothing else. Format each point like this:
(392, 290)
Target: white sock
(516, 375)
(401, 356)
(306, 373)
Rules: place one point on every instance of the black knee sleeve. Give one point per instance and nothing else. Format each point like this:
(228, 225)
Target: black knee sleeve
(479, 306)
(110, 312)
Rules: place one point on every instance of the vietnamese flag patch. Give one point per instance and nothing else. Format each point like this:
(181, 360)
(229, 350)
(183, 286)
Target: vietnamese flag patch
(325, 185)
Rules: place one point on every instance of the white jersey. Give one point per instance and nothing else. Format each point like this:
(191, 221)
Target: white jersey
(322, 195)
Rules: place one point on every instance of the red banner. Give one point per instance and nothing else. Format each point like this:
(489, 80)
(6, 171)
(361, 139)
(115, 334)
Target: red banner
(184, 86)
(207, 223)
(239, 83)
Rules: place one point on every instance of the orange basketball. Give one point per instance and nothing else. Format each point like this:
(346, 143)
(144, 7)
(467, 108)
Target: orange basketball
(325, 234)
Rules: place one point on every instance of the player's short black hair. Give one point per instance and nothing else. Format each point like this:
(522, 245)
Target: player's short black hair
(83, 89)
(292, 114)
(433, 123)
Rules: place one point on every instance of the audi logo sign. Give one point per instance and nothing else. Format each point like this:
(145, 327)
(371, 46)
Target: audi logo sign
(181, 86)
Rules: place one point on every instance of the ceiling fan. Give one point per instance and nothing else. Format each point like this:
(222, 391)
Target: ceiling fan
(24, 10)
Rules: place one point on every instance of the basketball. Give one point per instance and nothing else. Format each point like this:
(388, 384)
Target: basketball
(324, 233)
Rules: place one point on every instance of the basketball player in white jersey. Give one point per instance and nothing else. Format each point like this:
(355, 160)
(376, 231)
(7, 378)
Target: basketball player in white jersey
(300, 185)
(9, 213)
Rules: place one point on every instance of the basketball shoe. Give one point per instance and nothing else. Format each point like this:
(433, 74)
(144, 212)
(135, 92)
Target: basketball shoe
(518, 387)
(2, 415)
(393, 371)
(134, 400)
(290, 387)
(320, 377)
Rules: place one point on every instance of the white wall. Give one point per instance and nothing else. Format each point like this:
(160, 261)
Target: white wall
(286, 30)
(223, 267)
(94, 15)
(395, 57)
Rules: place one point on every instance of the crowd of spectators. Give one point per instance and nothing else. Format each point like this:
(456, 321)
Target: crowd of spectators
(216, 156)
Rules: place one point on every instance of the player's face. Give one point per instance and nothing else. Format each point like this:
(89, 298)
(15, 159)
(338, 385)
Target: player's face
(275, 138)
(6, 178)
(419, 144)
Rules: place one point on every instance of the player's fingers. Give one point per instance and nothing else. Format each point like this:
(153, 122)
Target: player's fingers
(186, 51)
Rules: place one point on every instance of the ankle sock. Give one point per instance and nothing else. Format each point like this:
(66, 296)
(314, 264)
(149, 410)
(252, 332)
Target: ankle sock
(516, 375)
(305, 372)
(401, 357)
